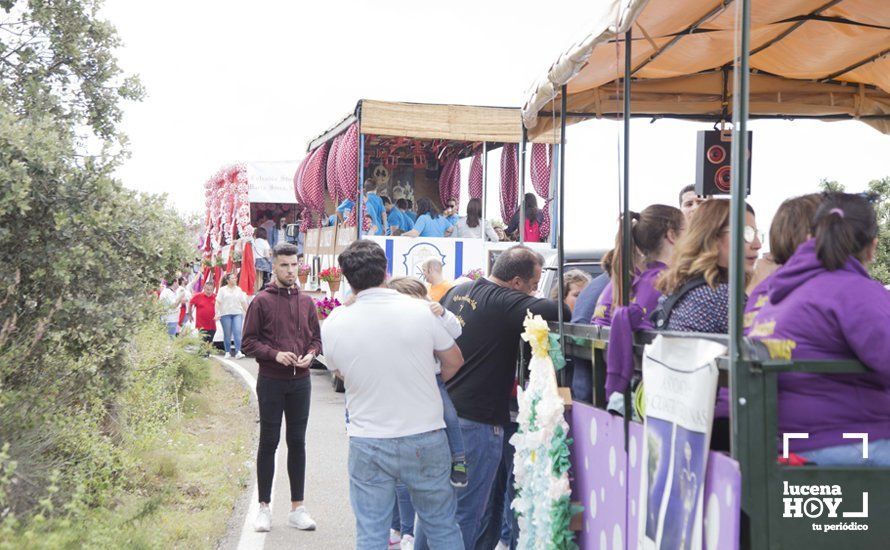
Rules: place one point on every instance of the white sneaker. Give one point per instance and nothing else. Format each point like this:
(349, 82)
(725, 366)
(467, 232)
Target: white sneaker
(407, 543)
(301, 519)
(240, 355)
(263, 522)
(227, 355)
(395, 540)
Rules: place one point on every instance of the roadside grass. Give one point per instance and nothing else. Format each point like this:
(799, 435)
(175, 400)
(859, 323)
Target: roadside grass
(182, 483)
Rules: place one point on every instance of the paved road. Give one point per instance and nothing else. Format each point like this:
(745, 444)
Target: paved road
(327, 483)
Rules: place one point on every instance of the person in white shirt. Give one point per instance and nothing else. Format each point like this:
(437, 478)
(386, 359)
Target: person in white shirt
(231, 305)
(183, 295)
(473, 226)
(171, 302)
(392, 438)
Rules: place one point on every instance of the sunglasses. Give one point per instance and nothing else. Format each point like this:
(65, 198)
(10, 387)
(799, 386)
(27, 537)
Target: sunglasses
(750, 234)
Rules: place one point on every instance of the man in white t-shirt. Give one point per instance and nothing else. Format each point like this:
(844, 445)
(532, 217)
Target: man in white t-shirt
(396, 429)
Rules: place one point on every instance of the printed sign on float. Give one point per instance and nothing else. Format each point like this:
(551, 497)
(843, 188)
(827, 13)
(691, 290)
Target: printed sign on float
(404, 255)
(680, 389)
(272, 182)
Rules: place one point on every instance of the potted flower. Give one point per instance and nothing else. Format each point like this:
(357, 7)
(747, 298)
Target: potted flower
(473, 274)
(303, 274)
(325, 306)
(331, 276)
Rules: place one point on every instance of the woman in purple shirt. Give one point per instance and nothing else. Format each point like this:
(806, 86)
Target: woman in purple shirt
(654, 232)
(823, 305)
(791, 227)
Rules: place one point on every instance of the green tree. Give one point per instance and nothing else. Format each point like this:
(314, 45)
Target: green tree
(79, 255)
(880, 188)
(57, 62)
(881, 268)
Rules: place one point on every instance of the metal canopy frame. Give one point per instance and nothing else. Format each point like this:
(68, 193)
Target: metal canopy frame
(752, 382)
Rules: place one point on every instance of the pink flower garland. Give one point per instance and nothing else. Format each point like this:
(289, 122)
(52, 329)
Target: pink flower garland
(227, 207)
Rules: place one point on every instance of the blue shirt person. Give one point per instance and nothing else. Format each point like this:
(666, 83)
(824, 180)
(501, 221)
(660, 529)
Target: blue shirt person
(345, 207)
(392, 216)
(582, 378)
(395, 222)
(429, 222)
(374, 205)
(405, 222)
(409, 210)
(450, 213)
(427, 226)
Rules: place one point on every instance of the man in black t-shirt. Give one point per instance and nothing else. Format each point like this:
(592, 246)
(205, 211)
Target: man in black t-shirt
(491, 312)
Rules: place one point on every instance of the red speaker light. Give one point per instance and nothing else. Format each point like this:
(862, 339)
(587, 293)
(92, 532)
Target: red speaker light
(716, 154)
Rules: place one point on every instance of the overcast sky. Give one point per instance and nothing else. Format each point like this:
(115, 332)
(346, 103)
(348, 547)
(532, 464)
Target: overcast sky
(247, 81)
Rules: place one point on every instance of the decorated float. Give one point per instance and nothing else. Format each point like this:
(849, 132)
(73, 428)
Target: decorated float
(412, 151)
(237, 198)
(656, 484)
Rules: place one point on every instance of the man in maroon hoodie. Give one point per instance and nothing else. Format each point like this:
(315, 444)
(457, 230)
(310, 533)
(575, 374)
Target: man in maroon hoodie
(281, 332)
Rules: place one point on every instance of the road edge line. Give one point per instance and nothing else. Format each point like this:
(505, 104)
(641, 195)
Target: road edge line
(249, 539)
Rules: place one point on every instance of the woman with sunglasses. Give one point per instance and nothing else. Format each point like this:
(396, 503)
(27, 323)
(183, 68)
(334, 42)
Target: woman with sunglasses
(697, 286)
(824, 305)
(702, 256)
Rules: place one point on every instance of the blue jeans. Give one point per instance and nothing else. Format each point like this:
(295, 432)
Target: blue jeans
(171, 329)
(452, 425)
(499, 522)
(582, 380)
(403, 511)
(484, 445)
(423, 463)
(851, 454)
(231, 325)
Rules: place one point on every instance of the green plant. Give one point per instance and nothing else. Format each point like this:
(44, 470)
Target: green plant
(880, 268)
(80, 256)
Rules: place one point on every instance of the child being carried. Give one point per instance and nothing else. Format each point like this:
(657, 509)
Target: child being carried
(416, 289)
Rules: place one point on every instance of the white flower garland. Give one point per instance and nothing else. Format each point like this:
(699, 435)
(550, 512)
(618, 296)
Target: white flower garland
(540, 465)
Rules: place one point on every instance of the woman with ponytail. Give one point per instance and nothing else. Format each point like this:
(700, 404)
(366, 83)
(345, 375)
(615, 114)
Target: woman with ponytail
(823, 305)
(653, 233)
(696, 286)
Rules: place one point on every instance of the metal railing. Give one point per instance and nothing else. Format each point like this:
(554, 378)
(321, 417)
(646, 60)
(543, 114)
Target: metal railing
(755, 444)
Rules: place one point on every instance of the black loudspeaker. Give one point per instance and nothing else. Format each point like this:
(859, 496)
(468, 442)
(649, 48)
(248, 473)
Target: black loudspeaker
(713, 172)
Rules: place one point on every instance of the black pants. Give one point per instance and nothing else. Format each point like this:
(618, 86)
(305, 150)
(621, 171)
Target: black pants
(275, 397)
(207, 335)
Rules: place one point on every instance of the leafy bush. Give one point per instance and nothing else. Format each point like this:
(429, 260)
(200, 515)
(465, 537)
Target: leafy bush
(78, 457)
(79, 255)
(84, 365)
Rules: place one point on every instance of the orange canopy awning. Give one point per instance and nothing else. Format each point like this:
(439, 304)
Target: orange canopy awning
(809, 58)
